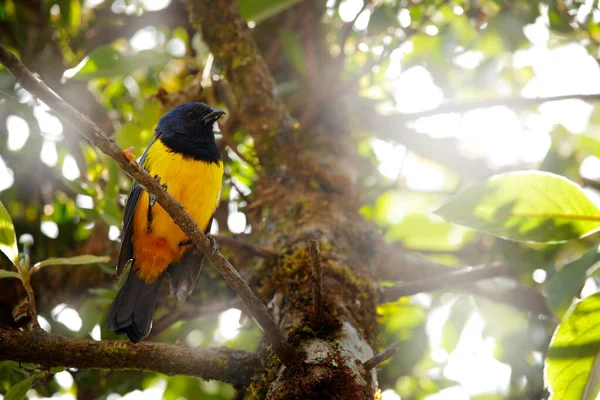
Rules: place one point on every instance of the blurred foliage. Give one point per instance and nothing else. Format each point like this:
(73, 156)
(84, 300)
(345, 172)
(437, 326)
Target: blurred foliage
(122, 56)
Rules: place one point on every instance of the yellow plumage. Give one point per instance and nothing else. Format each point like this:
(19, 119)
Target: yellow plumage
(196, 185)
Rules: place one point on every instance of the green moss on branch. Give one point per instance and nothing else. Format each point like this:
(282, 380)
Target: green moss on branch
(39, 347)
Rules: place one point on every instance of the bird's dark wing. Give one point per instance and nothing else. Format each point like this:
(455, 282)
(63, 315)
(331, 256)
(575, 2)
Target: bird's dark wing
(185, 272)
(126, 252)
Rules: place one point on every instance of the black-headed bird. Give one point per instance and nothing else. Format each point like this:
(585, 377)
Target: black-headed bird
(185, 159)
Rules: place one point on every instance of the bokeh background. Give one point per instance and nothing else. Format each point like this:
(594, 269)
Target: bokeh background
(436, 89)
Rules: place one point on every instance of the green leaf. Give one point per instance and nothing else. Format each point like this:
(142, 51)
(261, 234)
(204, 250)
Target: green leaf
(8, 239)
(106, 62)
(77, 260)
(529, 206)
(571, 366)
(18, 391)
(292, 48)
(426, 232)
(8, 274)
(260, 10)
(564, 286)
(138, 132)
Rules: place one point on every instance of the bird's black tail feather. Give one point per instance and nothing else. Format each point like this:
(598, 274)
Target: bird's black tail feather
(184, 274)
(131, 311)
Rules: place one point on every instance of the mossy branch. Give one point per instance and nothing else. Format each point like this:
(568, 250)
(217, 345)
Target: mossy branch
(261, 112)
(176, 211)
(38, 347)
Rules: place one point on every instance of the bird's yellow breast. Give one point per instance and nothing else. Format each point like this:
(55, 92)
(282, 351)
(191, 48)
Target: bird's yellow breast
(196, 185)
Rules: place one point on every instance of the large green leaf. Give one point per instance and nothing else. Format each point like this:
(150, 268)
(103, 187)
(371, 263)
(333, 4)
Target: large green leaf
(427, 232)
(77, 260)
(259, 10)
(18, 391)
(106, 62)
(564, 286)
(529, 206)
(8, 239)
(571, 370)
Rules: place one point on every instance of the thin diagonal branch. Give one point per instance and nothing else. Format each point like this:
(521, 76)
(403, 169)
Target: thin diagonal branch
(511, 102)
(448, 280)
(393, 263)
(236, 243)
(95, 135)
(317, 276)
(38, 347)
(189, 311)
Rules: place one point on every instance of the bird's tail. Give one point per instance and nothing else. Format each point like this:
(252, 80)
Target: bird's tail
(131, 311)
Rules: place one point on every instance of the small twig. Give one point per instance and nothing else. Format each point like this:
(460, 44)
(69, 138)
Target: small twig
(317, 275)
(190, 311)
(448, 280)
(236, 187)
(381, 357)
(235, 242)
(176, 211)
(227, 130)
(26, 280)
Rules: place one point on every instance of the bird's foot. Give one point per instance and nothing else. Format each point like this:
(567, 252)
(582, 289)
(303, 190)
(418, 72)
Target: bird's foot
(214, 246)
(152, 196)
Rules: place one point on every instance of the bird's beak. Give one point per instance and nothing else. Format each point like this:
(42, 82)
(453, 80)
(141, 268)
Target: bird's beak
(213, 116)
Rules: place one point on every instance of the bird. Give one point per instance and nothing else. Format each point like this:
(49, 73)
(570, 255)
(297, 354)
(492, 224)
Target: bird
(185, 160)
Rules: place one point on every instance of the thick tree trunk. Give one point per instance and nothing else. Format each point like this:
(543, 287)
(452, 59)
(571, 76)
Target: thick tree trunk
(306, 190)
(339, 337)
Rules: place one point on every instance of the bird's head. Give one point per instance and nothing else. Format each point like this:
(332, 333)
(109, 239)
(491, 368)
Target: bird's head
(193, 118)
(189, 129)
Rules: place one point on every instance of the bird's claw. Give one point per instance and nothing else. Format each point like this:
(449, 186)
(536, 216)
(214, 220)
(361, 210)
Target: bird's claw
(214, 246)
(152, 196)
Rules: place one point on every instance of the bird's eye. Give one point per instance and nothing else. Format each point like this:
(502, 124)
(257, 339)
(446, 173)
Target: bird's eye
(191, 114)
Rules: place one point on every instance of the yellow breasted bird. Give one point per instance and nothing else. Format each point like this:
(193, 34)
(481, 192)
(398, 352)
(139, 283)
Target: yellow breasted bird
(185, 159)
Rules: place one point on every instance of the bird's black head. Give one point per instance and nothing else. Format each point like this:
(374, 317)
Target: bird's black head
(188, 129)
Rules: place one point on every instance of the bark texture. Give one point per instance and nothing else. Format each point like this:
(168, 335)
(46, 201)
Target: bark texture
(235, 367)
(305, 191)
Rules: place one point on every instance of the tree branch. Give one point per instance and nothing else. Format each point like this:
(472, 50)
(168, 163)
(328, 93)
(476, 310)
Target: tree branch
(189, 311)
(38, 347)
(444, 150)
(180, 216)
(448, 280)
(511, 102)
(381, 357)
(427, 275)
(236, 243)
